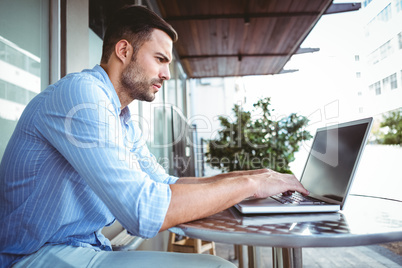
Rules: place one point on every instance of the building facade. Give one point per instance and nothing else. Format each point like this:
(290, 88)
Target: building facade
(380, 57)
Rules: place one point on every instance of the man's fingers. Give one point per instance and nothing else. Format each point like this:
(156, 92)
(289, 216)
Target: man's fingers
(271, 183)
(287, 193)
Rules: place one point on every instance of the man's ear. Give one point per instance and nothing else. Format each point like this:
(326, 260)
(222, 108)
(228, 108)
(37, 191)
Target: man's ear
(123, 51)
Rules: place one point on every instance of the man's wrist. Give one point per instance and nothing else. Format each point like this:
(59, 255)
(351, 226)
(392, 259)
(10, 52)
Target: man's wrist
(249, 185)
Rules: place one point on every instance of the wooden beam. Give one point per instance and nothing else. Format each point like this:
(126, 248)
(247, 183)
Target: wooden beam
(303, 50)
(242, 16)
(239, 56)
(343, 7)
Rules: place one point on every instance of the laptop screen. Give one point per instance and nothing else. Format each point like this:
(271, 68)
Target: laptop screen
(333, 159)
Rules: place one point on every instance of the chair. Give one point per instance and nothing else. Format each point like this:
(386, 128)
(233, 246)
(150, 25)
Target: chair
(190, 245)
(120, 239)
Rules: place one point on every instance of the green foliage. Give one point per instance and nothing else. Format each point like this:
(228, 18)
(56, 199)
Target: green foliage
(249, 143)
(392, 121)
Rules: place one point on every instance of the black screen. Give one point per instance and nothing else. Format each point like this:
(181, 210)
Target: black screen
(332, 160)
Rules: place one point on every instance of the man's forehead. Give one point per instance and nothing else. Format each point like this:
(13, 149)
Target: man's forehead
(163, 42)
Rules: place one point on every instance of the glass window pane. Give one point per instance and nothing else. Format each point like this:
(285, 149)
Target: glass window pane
(23, 59)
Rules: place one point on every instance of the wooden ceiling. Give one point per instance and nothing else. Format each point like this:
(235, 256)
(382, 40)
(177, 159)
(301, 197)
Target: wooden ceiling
(219, 38)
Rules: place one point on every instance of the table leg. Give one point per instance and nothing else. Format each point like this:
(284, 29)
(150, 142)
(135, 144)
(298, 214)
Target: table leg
(251, 257)
(242, 255)
(287, 258)
(254, 257)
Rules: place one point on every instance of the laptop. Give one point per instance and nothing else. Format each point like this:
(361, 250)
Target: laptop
(328, 173)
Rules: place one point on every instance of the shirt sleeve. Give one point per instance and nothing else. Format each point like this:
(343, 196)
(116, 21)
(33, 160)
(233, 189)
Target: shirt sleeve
(81, 123)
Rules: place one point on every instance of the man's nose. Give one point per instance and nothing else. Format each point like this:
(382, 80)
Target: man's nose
(165, 73)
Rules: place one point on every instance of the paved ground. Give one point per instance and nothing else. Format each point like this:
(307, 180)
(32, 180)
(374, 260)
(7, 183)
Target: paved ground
(375, 256)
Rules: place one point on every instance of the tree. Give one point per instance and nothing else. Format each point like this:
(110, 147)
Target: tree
(253, 143)
(393, 124)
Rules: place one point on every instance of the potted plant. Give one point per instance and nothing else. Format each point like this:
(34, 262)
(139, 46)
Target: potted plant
(253, 142)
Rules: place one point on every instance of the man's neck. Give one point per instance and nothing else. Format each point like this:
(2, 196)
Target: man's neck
(114, 77)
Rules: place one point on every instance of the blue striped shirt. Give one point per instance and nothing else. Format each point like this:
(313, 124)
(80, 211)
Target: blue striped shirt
(75, 162)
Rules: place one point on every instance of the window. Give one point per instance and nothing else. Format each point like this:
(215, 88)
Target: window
(390, 82)
(385, 14)
(386, 83)
(385, 50)
(373, 57)
(377, 88)
(398, 5)
(357, 58)
(366, 2)
(24, 59)
(381, 53)
(358, 74)
(400, 40)
(393, 81)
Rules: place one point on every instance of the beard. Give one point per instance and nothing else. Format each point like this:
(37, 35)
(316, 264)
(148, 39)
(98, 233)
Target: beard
(136, 84)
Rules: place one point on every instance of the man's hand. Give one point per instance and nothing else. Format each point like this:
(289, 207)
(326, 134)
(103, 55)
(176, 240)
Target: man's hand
(195, 198)
(271, 183)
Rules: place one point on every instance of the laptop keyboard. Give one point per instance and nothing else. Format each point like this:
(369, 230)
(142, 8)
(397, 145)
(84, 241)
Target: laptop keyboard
(297, 199)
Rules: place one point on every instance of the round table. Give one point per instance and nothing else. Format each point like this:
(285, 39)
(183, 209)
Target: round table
(364, 221)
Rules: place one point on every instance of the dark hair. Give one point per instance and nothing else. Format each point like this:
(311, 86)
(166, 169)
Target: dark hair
(135, 24)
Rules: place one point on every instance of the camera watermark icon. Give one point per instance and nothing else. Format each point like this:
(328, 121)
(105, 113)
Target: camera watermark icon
(327, 149)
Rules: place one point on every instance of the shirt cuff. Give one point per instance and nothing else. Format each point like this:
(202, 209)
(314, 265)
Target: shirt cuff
(171, 180)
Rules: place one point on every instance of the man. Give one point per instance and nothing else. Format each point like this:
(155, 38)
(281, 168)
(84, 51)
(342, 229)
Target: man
(68, 169)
